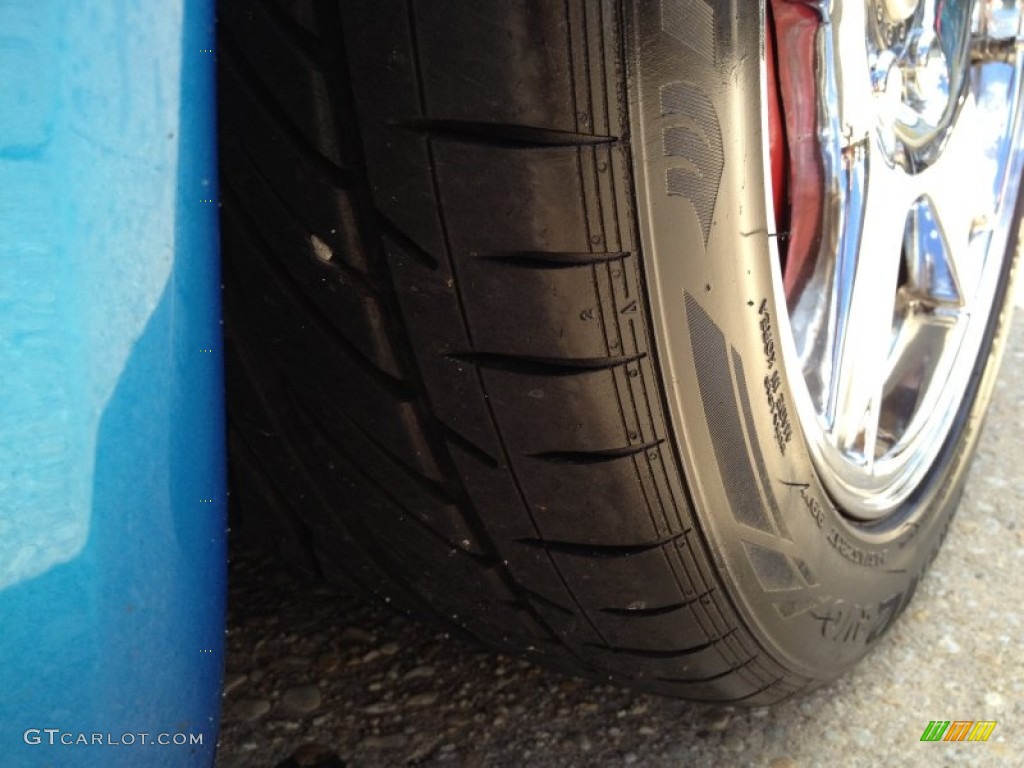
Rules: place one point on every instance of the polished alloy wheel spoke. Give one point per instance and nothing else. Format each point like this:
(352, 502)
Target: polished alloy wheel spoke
(865, 287)
(852, 120)
(959, 200)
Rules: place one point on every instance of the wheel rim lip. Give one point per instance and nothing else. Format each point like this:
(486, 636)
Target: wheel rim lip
(869, 496)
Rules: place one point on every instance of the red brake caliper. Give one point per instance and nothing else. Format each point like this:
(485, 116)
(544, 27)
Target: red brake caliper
(797, 174)
(776, 130)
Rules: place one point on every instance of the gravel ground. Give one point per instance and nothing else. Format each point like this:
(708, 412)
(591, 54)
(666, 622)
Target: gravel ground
(320, 678)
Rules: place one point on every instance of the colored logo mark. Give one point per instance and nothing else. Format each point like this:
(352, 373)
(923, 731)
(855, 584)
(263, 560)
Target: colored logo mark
(958, 730)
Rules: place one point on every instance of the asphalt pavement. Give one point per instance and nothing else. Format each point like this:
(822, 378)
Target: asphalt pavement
(319, 678)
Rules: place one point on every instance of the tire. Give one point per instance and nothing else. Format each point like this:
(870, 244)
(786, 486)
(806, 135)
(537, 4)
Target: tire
(502, 312)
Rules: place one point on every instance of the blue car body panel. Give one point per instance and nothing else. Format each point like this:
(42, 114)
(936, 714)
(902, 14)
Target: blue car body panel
(112, 487)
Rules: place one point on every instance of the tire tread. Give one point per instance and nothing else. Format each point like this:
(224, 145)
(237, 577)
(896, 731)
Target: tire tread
(432, 415)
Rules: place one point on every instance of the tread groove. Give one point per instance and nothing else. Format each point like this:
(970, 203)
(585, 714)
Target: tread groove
(710, 678)
(432, 487)
(647, 653)
(533, 365)
(504, 135)
(471, 448)
(391, 231)
(660, 610)
(547, 601)
(735, 700)
(598, 551)
(301, 39)
(595, 457)
(552, 259)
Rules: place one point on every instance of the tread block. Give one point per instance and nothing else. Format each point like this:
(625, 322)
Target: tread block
(419, 496)
(551, 313)
(428, 560)
(608, 496)
(270, 443)
(346, 298)
(293, 76)
(645, 577)
(382, 49)
(301, 12)
(526, 76)
(676, 661)
(497, 200)
(303, 177)
(267, 516)
(435, 328)
(680, 627)
(377, 404)
(728, 686)
(545, 413)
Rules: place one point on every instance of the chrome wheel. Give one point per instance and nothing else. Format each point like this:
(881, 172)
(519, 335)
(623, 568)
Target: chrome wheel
(918, 116)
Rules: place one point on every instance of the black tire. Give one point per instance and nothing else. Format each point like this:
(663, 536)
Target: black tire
(492, 359)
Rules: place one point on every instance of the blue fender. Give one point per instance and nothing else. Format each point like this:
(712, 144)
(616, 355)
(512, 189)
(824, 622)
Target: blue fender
(112, 487)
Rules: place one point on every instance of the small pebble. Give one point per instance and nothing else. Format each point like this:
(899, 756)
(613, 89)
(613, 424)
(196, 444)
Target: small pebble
(720, 722)
(301, 699)
(421, 699)
(250, 709)
(233, 681)
(994, 701)
(733, 740)
(862, 737)
(328, 662)
(355, 636)
(426, 744)
(571, 685)
(389, 741)
(419, 673)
